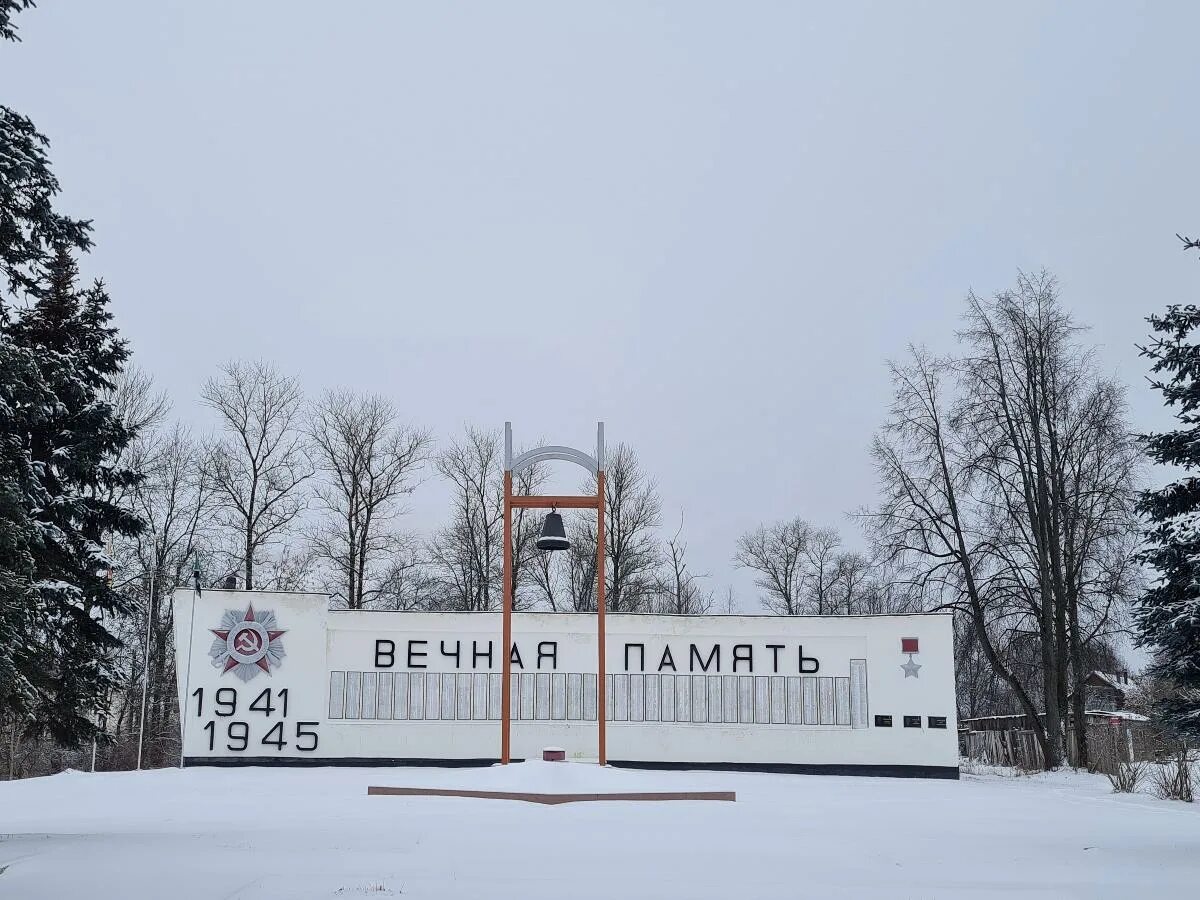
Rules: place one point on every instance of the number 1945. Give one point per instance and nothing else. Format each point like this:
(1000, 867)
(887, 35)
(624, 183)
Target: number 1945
(237, 733)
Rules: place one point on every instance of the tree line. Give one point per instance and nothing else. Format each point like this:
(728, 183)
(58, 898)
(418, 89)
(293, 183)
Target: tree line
(1008, 474)
(295, 495)
(1010, 494)
(1008, 478)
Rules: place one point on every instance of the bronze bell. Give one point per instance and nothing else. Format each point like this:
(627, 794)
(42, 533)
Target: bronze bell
(553, 536)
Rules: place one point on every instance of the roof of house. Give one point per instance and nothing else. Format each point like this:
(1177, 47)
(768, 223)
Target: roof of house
(1096, 678)
(1110, 713)
(1118, 714)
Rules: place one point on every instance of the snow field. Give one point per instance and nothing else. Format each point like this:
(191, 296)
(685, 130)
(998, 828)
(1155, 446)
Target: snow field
(294, 834)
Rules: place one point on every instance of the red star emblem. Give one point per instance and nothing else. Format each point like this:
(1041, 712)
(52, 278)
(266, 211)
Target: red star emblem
(248, 641)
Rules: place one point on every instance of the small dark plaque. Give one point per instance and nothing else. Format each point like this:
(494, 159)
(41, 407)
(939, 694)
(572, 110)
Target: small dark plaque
(883, 721)
(912, 721)
(937, 721)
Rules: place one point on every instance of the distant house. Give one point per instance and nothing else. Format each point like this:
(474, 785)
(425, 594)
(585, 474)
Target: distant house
(1106, 690)
(1106, 695)
(1007, 740)
(1021, 722)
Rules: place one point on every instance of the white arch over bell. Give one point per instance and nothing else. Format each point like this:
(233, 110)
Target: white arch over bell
(541, 454)
(593, 464)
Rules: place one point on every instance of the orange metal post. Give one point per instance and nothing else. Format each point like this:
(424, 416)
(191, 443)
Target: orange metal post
(600, 711)
(506, 643)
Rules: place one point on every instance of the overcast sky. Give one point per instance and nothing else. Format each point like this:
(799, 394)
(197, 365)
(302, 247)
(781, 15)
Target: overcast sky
(709, 225)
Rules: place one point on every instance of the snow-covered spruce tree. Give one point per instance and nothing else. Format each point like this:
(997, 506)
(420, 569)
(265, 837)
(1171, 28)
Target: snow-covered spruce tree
(79, 356)
(9, 8)
(58, 358)
(29, 227)
(1168, 614)
(23, 397)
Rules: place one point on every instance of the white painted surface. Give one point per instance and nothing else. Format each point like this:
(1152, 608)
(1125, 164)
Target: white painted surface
(720, 689)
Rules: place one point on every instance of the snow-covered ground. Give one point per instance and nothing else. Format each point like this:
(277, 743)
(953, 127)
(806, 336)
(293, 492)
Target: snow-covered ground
(314, 833)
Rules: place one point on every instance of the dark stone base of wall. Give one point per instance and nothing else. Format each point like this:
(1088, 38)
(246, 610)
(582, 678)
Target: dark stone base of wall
(868, 770)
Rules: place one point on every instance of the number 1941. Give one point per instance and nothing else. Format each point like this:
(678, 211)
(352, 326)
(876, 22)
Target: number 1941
(237, 732)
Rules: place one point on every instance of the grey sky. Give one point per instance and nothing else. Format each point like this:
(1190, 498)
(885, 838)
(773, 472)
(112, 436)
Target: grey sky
(707, 224)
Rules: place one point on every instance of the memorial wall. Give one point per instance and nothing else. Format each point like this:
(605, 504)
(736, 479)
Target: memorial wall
(278, 678)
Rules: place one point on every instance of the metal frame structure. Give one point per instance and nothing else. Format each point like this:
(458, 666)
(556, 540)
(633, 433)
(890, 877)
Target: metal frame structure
(595, 465)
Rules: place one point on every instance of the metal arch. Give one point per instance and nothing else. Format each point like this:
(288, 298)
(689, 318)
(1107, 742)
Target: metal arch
(593, 464)
(541, 454)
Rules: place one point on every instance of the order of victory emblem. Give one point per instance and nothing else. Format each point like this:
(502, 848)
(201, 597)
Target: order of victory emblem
(247, 642)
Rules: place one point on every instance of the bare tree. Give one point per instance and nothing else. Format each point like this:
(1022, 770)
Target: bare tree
(467, 554)
(925, 516)
(870, 586)
(369, 464)
(1008, 496)
(801, 571)
(1055, 462)
(680, 589)
(294, 566)
(729, 604)
(259, 468)
(528, 561)
(580, 566)
(176, 502)
(140, 407)
(546, 574)
(820, 553)
(776, 554)
(852, 584)
(632, 511)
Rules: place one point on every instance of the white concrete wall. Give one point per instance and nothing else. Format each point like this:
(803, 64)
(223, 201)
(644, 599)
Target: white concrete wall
(802, 691)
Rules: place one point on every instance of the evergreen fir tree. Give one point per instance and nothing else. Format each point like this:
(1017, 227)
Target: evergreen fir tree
(29, 226)
(58, 360)
(78, 353)
(1168, 614)
(9, 8)
(23, 400)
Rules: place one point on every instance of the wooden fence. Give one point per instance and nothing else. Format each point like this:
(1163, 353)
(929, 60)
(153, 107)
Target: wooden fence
(1019, 748)
(1013, 749)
